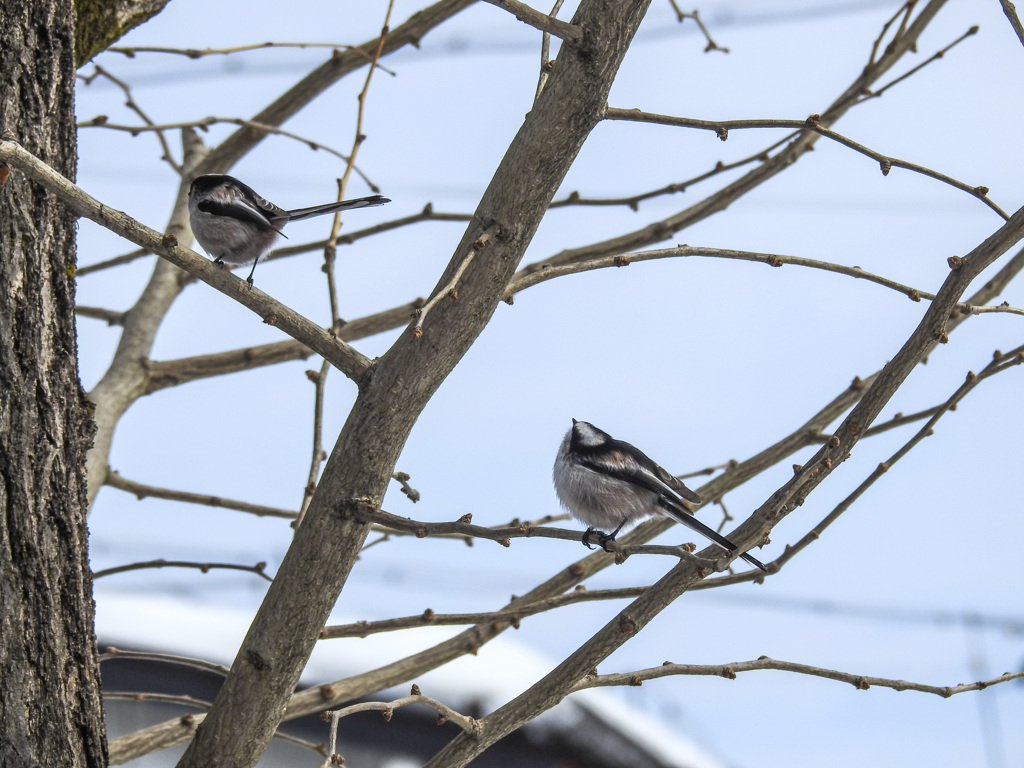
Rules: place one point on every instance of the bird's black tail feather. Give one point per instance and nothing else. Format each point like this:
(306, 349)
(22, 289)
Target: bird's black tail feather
(344, 205)
(711, 533)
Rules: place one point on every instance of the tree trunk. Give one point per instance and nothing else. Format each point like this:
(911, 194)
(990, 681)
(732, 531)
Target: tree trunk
(50, 713)
(398, 386)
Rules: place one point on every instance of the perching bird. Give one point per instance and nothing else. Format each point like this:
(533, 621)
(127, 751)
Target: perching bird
(234, 224)
(607, 483)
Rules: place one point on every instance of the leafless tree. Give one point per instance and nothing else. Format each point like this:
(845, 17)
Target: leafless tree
(345, 490)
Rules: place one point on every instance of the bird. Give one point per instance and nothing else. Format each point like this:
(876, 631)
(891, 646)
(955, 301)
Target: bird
(235, 224)
(608, 483)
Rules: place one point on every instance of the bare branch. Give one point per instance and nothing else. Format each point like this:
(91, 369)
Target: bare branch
(117, 261)
(102, 121)
(125, 377)
(683, 15)
(466, 723)
(545, 23)
(543, 272)
(860, 682)
(801, 143)
(633, 201)
(170, 698)
(451, 289)
(98, 313)
(258, 569)
(545, 53)
(463, 527)
(511, 617)
(1011, 15)
(914, 70)
(140, 491)
(113, 652)
(191, 701)
(886, 163)
(171, 373)
(929, 332)
(198, 53)
(319, 455)
(402, 478)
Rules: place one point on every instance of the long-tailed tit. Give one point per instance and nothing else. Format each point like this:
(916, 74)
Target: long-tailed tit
(234, 224)
(607, 483)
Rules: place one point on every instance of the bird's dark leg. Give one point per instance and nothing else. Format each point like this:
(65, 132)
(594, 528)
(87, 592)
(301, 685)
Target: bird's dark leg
(602, 537)
(251, 271)
(605, 538)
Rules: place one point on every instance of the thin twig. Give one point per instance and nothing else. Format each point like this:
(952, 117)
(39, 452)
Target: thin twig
(695, 15)
(512, 617)
(633, 201)
(112, 652)
(503, 535)
(111, 316)
(169, 373)
(189, 720)
(319, 455)
(402, 478)
(331, 755)
(450, 289)
(466, 723)
(117, 261)
(542, 272)
(545, 53)
(427, 214)
(140, 491)
(914, 70)
(102, 121)
(198, 53)
(885, 162)
(903, 16)
(168, 698)
(258, 569)
(729, 671)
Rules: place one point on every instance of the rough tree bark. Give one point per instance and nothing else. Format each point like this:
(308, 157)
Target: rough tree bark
(50, 712)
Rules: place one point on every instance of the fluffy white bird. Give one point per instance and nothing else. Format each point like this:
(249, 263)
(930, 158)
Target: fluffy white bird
(607, 484)
(234, 224)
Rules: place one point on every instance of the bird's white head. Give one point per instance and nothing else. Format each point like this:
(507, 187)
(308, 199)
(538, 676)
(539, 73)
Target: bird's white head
(585, 434)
